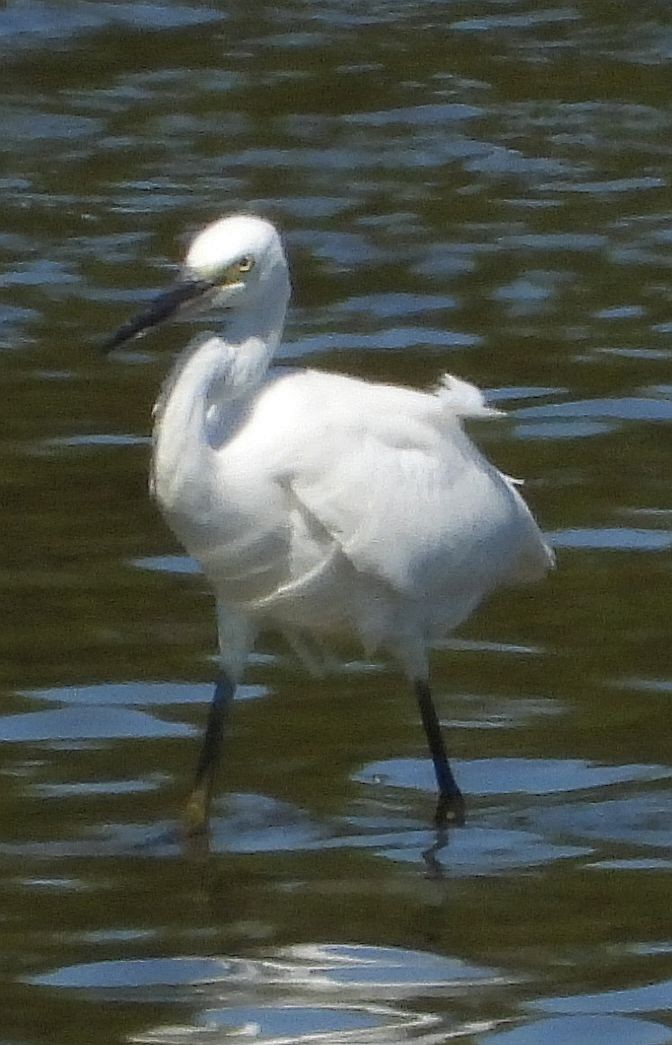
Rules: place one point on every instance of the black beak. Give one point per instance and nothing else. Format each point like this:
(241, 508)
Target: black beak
(160, 309)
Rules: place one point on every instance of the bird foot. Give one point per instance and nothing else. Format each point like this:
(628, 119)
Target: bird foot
(450, 810)
(196, 819)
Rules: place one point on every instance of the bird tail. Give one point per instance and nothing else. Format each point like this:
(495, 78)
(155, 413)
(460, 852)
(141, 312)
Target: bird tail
(463, 399)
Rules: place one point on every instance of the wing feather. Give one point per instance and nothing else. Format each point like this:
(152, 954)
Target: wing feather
(409, 498)
(394, 483)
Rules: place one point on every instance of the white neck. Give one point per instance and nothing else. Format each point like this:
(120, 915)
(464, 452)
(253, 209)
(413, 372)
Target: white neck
(252, 338)
(217, 375)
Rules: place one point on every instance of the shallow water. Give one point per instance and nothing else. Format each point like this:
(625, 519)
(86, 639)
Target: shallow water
(475, 187)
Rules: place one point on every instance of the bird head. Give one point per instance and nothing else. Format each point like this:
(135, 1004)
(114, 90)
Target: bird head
(234, 263)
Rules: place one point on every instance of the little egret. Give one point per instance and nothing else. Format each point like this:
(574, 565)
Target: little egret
(318, 504)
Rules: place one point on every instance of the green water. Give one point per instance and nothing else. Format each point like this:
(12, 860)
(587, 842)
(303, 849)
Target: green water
(480, 187)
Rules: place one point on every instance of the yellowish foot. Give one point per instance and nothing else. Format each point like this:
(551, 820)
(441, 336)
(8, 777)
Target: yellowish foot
(196, 812)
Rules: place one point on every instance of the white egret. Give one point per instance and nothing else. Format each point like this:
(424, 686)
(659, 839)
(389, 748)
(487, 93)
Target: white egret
(318, 504)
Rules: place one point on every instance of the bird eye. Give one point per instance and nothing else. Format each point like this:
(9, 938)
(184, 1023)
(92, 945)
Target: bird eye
(245, 264)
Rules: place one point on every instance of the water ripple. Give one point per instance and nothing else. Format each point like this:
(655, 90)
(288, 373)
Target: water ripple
(574, 1030)
(309, 992)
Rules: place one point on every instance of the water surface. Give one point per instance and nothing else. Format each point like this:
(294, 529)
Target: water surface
(482, 188)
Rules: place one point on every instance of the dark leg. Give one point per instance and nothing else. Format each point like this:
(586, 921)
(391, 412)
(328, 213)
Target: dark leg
(450, 806)
(198, 803)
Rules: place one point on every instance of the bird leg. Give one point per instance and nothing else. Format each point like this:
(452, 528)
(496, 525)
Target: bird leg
(198, 804)
(450, 805)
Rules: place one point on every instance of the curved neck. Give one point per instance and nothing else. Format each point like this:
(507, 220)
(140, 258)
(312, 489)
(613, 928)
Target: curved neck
(252, 338)
(213, 375)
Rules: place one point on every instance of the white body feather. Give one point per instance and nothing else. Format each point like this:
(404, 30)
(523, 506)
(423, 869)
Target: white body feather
(318, 504)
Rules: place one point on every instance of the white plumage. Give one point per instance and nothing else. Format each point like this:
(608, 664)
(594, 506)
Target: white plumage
(319, 504)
